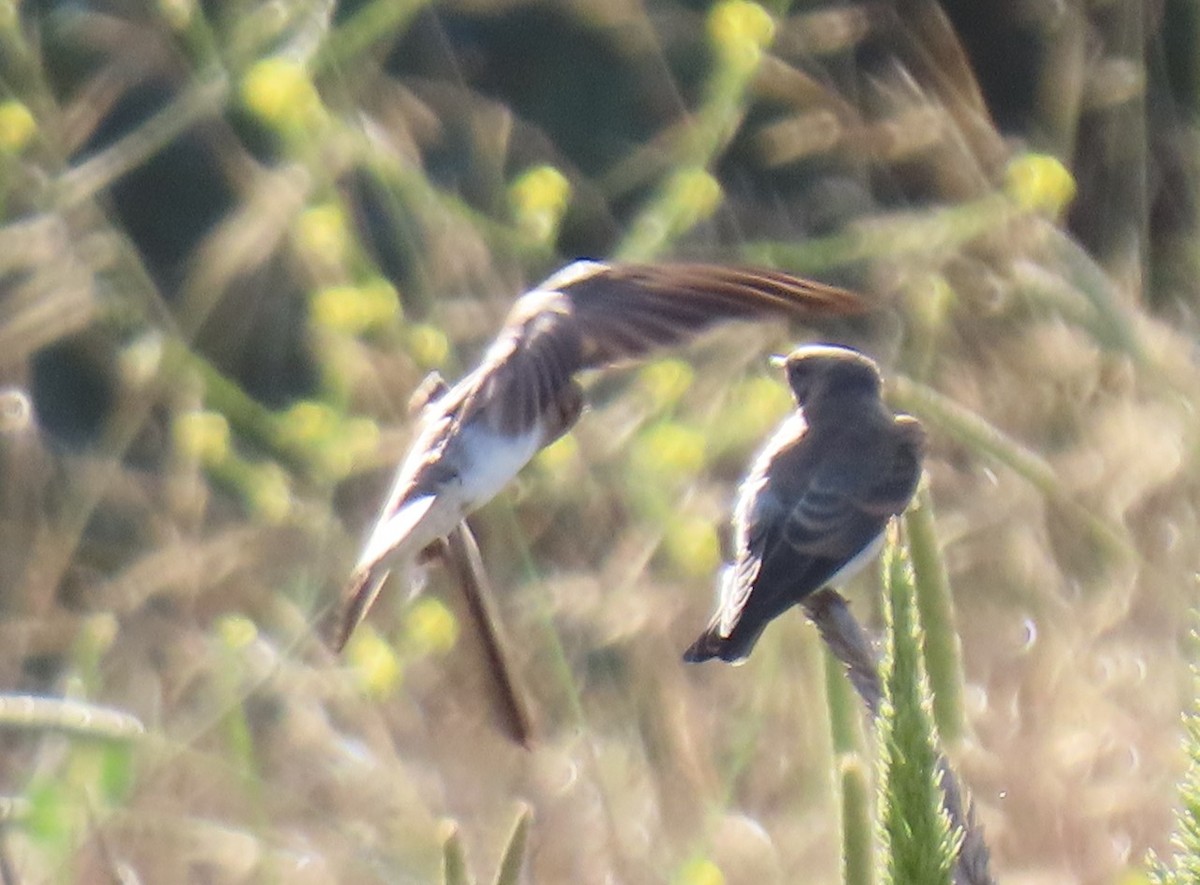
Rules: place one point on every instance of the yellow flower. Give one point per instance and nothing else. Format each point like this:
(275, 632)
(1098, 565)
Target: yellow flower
(321, 231)
(17, 127)
(428, 345)
(1134, 877)
(374, 663)
(692, 545)
(202, 435)
(338, 308)
(280, 92)
(268, 492)
(539, 198)
(669, 450)
(700, 872)
(560, 455)
(739, 30)
(1039, 183)
(178, 13)
(665, 381)
(694, 194)
(430, 627)
(236, 631)
(359, 438)
(356, 309)
(381, 302)
(308, 421)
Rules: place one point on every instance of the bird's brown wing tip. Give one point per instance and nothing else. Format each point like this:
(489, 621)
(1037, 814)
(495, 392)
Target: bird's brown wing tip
(810, 296)
(790, 293)
(334, 629)
(356, 597)
(747, 286)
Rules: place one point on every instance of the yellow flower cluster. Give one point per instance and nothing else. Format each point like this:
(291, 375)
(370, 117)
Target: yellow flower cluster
(539, 198)
(430, 628)
(692, 544)
(739, 31)
(202, 435)
(321, 230)
(354, 310)
(323, 434)
(17, 127)
(280, 92)
(1039, 183)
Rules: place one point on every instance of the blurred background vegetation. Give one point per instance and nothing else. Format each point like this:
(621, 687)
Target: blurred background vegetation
(236, 235)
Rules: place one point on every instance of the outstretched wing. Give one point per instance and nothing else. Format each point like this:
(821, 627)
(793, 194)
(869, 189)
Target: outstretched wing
(590, 315)
(628, 310)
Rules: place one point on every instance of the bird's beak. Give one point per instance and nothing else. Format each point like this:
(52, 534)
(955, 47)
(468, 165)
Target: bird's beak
(777, 360)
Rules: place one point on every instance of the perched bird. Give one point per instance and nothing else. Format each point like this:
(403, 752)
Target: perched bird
(474, 437)
(813, 509)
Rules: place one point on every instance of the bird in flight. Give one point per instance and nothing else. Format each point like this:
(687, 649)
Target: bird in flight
(815, 505)
(472, 438)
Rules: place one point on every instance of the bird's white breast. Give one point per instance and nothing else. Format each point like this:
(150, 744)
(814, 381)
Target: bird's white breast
(491, 460)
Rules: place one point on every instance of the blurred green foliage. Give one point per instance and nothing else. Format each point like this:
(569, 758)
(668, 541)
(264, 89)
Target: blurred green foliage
(234, 238)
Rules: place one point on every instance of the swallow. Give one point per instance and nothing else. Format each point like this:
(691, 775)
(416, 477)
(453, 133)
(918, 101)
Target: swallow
(814, 507)
(472, 438)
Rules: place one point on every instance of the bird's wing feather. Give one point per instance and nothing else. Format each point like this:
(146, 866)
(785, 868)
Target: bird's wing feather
(356, 599)
(402, 532)
(591, 315)
(890, 494)
(843, 504)
(823, 519)
(739, 579)
(527, 368)
(809, 539)
(627, 310)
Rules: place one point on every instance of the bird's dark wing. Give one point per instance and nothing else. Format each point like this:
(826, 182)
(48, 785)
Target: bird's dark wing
(359, 593)
(847, 500)
(895, 487)
(833, 518)
(529, 367)
(590, 315)
(731, 633)
(792, 553)
(626, 310)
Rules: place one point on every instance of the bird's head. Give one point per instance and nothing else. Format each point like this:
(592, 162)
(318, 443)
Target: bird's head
(820, 370)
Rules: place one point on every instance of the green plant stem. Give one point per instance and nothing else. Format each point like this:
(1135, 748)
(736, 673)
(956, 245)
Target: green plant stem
(943, 654)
